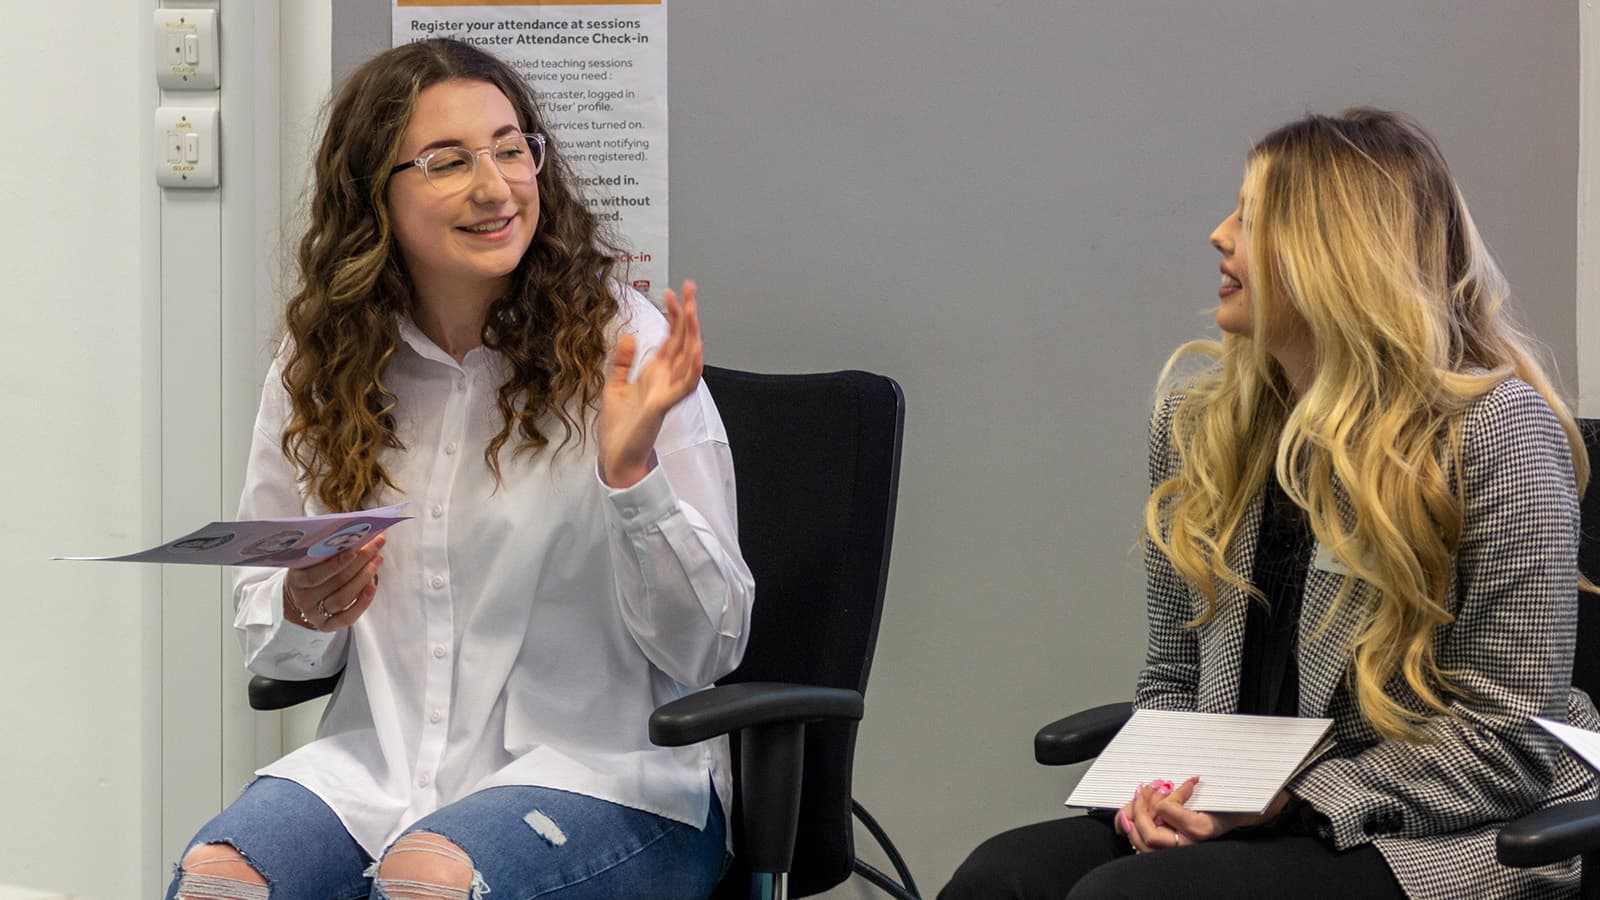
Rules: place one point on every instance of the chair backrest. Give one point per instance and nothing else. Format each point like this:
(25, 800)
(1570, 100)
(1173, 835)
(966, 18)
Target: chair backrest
(817, 460)
(1586, 664)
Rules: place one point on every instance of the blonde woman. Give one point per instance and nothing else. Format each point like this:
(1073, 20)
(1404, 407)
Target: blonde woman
(1366, 509)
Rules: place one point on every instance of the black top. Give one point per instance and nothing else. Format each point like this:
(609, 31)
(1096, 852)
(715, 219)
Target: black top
(1269, 677)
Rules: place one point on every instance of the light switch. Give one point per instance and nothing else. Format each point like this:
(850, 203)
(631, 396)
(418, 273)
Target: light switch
(186, 49)
(187, 155)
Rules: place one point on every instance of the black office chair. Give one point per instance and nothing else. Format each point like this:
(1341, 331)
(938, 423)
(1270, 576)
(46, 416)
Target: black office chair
(1546, 836)
(817, 461)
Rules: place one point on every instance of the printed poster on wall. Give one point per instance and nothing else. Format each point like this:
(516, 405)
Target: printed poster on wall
(600, 70)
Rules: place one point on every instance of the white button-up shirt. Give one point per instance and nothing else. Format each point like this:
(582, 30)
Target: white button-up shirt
(521, 632)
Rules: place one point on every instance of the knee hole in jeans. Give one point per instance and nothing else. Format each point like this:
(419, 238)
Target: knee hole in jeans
(426, 866)
(219, 872)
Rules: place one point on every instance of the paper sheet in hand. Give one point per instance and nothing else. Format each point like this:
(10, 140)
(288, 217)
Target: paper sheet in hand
(1242, 761)
(1584, 743)
(282, 543)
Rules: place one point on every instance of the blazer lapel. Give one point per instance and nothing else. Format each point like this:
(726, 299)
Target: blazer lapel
(1324, 649)
(1222, 639)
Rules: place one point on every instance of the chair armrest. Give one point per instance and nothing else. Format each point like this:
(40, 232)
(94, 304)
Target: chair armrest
(1081, 735)
(731, 707)
(1550, 835)
(271, 693)
(770, 719)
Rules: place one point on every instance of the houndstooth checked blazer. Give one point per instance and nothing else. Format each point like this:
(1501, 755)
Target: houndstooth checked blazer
(1432, 810)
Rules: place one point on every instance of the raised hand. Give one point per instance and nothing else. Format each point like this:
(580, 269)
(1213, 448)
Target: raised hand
(631, 412)
(332, 594)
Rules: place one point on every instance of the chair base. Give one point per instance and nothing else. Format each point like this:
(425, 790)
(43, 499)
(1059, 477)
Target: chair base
(769, 886)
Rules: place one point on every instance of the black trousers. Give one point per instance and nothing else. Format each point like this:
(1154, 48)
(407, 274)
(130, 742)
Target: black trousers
(1083, 858)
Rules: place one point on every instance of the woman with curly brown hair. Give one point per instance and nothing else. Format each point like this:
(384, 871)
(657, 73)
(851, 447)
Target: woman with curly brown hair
(460, 341)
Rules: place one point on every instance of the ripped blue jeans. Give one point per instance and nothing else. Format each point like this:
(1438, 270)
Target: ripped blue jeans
(523, 842)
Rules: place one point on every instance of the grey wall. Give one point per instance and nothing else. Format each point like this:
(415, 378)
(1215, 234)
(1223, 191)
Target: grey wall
(1004, 204)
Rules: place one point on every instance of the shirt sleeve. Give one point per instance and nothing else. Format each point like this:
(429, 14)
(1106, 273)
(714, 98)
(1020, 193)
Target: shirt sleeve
(273, 646)
(1509, 648)
(683, 585)
(1171, 673)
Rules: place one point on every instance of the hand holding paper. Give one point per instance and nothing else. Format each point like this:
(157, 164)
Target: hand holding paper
(333, 593)
(1242, 762)
(1141, 823)
(1194, 826)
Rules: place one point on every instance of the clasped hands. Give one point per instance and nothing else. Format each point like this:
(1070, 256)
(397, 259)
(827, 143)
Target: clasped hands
(1157, 819)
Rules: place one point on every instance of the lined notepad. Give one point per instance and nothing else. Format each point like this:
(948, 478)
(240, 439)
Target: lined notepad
(1242, 761)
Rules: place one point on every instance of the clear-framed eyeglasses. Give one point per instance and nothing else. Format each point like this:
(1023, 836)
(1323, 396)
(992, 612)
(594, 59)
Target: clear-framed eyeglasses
(450, 170)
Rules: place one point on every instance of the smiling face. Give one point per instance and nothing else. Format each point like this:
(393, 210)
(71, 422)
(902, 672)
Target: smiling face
(1285, 334)
(467, 244)
(1235, 314)
(1236, 297)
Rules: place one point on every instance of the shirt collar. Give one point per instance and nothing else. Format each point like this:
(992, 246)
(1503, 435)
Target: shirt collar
(424, 346)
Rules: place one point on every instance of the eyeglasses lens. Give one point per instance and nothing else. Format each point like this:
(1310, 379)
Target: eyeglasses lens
(517, 156)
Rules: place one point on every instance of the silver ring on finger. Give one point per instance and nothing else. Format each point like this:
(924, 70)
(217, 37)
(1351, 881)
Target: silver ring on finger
(347, 607)
(304, 619)
(324, 610)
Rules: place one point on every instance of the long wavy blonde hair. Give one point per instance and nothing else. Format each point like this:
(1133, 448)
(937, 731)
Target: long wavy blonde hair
(1356, 223)
(551, 326)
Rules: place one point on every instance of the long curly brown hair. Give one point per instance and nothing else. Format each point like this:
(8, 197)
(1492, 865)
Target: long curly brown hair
(551, 326)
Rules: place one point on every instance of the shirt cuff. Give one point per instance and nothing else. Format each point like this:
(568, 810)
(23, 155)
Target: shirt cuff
(286, 637)
(645, 503)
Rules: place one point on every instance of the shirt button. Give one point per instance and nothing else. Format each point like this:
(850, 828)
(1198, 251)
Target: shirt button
(438, 651)
(434, 717)
(461, 384)
(422, 780)
(450, 449)
(438, 510)
(629, 512)
(438, 581)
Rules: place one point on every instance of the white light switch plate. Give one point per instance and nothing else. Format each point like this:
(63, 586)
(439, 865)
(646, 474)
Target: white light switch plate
(187, 146)
(186, 50)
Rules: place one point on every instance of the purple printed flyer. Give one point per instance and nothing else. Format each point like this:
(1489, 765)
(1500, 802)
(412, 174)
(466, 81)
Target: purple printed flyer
(280, 543)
